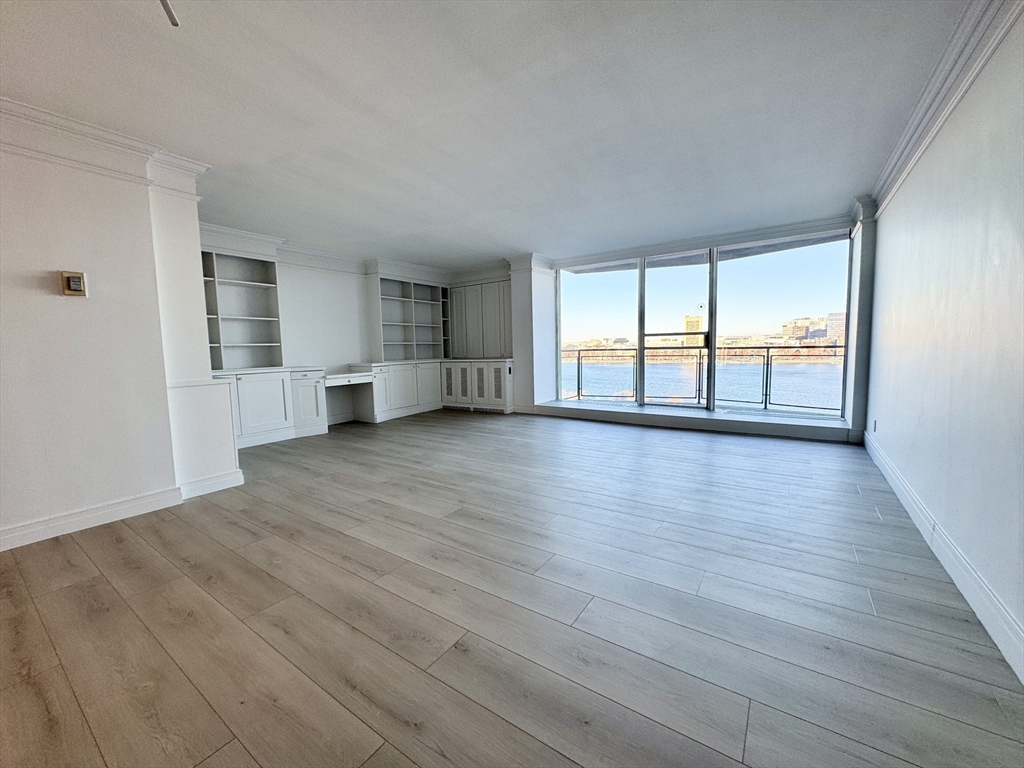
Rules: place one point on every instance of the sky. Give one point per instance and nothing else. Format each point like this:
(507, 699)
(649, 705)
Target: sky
(756, 294)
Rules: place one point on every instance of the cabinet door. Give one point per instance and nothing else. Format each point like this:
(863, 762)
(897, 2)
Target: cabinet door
(479, 382)
(403, 385)
(428, 383)
(490, 297)
(265, 402)
(458, 327)
(233, 389)
(449, 376)
(310, 401)
(496, 383)
(463, 383)
(506, 319)
(474, 322)
(381, 392)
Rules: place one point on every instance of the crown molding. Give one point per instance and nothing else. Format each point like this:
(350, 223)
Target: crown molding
(178, 164)
(746, 237)
(52, 123)
(529, 262)
(174, 175)
(981, 28)
(314, 259)
(484, 273)
(863, 208)
(35, 133)
(402, 270)
(216, 238)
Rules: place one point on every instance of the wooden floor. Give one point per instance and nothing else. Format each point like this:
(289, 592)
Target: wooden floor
(466, 589)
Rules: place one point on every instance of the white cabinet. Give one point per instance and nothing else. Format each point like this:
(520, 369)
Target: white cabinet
(506, 316)
(498, 379)
(402, 386)
(464, 382)
(474, 321)
(448, 383)
(482, 320)
(381, 393)
(458, 328)
(428, 383)
(477, 384)
(277, 404)
(309, 400)
(493, 338)
(265, 402)
(399, 389)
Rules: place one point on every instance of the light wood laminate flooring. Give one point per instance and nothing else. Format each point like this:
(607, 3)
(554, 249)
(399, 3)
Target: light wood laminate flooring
(457, 589)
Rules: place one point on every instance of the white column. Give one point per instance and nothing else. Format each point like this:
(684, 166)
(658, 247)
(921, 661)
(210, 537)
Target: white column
(202, 434)
(858, 334)
(534, 333)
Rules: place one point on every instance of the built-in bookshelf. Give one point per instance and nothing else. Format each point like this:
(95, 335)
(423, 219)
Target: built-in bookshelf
(412, 320)
(446, 324)
(242, 317)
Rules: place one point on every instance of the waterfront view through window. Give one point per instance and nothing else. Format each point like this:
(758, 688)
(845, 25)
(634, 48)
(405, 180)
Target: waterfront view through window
(779, 315)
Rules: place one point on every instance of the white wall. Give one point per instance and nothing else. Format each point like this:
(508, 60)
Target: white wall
(545, 336)
(534, 332)
(83, 398)
(947, 364)
(202, 432)
(324, 322)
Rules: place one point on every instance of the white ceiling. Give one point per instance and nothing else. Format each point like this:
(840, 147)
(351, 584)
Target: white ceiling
(458, 133)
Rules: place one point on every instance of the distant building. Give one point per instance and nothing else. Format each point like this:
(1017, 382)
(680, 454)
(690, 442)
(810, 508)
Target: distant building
(693, 324)
(796, 329)
(816, 333)
(837, 327)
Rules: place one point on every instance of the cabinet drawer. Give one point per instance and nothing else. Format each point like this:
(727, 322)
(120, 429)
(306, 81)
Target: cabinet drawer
(298, 375)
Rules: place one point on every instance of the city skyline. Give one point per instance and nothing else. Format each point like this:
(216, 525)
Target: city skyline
(756, 294)
(830, 327)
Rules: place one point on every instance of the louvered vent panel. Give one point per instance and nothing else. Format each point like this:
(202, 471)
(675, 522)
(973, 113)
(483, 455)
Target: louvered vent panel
(481, 390)
(449, 383)
(464, 382)
(498, 395)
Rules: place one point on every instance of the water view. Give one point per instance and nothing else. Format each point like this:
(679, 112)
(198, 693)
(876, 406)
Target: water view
(815, 385)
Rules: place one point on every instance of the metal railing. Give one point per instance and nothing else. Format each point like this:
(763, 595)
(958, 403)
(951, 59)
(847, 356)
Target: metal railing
(775, 389)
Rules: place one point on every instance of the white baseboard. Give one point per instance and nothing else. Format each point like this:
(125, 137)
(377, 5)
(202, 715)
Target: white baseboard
(397, 413)
(261, 438)
(1005, 630)
(313, 429)
(211, 484)
(69, 522)
(340, 417)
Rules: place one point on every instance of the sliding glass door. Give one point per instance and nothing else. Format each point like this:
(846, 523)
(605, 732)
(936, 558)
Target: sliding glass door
(756, 326)
(675, 334)
(781, 330)
(598, 326)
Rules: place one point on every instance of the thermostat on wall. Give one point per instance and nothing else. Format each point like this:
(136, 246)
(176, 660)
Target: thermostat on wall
(72, 283)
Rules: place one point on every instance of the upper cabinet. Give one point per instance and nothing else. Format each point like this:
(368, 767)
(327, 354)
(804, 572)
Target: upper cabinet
(242, 315)
(482, 320)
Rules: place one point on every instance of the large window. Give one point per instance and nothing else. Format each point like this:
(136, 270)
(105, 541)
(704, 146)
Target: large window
(748, 326)
(781, 331)
(599, 332)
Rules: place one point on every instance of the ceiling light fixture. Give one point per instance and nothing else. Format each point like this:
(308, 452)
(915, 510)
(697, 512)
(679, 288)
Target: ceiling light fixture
(170, 12)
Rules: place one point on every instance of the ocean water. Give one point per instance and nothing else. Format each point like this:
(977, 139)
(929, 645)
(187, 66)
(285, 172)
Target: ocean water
(810, 385)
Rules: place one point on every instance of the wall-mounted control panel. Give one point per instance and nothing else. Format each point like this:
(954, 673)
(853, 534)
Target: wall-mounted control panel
(72, 283)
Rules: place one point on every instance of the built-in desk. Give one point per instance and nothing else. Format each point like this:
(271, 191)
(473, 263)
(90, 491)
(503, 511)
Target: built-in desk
(347, 379)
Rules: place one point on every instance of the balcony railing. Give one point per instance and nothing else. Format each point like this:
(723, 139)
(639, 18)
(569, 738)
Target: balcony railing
(783, 377)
